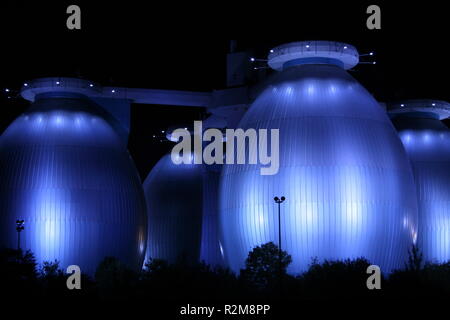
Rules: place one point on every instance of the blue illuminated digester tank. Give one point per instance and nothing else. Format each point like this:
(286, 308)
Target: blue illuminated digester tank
(343, 170)
(174, 197)
(65, 170)
(183, 212)
(174, 194)
(427, 141)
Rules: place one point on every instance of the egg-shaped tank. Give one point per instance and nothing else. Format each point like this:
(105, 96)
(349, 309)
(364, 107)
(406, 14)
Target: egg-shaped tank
(66, 172)
(342, 168)
(427, 141)
(174, 197)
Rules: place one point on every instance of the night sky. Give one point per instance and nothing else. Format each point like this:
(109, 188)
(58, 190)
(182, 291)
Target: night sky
(182, 47)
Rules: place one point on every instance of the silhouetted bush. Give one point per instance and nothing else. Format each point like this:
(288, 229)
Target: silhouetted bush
(180, 280)
(335, 279)
(259, 280)
(432, 280)
(114, 279)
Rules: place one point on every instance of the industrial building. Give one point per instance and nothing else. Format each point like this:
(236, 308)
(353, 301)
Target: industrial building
(65, 170)
(351, 188)
(347, 180)
(427, 142)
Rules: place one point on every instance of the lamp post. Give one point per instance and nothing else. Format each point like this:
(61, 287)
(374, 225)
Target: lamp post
(279, 201)
(19, 228)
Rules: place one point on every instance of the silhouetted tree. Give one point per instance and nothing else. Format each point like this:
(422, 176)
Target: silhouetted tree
(415, 259)
(18, 264)
(19, 274)
(155, 265)
(50, 269)
(262, 266)
(52, 279)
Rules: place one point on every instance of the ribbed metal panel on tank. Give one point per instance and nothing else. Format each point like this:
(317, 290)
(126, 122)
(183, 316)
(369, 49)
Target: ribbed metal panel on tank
(174, 202)
(343, 170)
(211, 252)
(65, 171)
(427, 142)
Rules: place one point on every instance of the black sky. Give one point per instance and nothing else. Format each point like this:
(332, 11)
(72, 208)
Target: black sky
(183, 46)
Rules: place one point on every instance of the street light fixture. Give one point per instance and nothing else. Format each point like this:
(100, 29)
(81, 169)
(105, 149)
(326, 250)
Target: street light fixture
(19, 228)
(279, 201)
